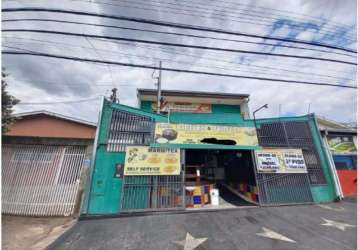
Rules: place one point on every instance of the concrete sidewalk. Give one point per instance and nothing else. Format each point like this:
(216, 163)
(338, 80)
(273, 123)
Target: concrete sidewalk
(330, 226)
(23, 233)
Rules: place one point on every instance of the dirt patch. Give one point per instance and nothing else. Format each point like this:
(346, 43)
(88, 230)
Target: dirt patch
(22, 233)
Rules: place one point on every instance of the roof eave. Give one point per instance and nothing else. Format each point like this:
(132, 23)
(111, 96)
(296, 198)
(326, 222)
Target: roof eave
(64, 117)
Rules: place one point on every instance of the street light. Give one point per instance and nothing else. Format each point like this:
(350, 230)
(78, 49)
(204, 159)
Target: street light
(263, 106)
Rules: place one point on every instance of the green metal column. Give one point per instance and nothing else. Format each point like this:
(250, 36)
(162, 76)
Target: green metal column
(105, 190)
(322, 193)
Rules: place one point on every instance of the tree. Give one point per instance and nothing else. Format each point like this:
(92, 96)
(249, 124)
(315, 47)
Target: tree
(7, 104)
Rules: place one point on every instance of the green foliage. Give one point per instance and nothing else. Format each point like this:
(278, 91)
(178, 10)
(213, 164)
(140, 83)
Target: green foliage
(7, 103)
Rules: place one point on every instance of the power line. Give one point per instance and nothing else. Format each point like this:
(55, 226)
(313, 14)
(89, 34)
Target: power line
(252, 9)
(173, 33)
(216, 59)
(192, 9)
(174, 25)
(185, 63)
(179, 45)
(100, 56)
(192, 12)
(272, 9)
(68, 84)
(207, 58)
(59, 102)
(172, 69)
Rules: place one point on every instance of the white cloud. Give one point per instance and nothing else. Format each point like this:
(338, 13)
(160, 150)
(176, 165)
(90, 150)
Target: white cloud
(72, 80)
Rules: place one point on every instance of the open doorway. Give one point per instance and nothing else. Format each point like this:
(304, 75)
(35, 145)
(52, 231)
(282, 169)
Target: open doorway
(230, 173)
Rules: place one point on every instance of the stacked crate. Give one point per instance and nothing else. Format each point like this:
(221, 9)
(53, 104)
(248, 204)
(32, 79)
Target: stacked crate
(199, 196)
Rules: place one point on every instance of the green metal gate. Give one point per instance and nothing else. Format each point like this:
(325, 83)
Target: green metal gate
(152, 193)
(280, 189)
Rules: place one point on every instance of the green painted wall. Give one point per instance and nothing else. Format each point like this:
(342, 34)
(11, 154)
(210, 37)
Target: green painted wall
(146, 105)
(103, 195)
(105, 190)
(221, 114)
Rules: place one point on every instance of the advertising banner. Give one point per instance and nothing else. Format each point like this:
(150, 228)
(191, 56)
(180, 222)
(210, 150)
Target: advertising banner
(141, 160)
(280, 161)
(342, 144)
(202, 133)
(183, 107)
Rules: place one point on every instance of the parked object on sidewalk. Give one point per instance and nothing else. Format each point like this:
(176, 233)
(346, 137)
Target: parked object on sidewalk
(214, 196)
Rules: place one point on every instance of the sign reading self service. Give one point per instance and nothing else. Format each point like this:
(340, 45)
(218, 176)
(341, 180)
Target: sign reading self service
(280, 161)
(141, 160)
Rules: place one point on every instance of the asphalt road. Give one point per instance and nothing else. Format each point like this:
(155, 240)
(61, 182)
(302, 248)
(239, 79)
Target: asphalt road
(285, 227)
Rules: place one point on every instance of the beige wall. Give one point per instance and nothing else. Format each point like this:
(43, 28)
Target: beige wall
(47, 126)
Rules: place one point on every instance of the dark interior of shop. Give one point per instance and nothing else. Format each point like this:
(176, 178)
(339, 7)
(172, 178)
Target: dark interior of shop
(226, 169)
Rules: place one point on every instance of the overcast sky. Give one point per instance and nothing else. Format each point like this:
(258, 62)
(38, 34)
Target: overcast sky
(35, 79)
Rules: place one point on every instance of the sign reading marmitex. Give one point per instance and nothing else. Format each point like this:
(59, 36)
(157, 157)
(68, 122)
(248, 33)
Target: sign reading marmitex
(143, 160)
(280, 161)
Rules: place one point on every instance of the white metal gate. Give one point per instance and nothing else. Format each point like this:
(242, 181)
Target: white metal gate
(40, 179)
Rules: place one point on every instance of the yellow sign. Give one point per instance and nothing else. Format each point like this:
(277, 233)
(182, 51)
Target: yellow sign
(141, 160)
(183, 107)
(280, 161)
(205, 134)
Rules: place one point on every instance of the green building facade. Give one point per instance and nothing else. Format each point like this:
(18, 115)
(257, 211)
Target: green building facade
(104, 192)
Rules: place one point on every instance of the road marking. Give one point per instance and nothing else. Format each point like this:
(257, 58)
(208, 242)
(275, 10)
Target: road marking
(268, 233)
(190, 242)
(339, 225)
(338, 209)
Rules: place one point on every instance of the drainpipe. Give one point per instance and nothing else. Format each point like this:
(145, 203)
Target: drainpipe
(332, 167)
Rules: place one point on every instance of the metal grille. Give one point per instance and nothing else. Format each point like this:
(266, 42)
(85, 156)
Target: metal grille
(296, 134)
(279, 189)
(152, 193)
(40, 180)
(128, 129)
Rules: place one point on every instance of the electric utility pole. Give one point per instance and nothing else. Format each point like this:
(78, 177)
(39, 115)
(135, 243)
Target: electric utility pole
(159, 88)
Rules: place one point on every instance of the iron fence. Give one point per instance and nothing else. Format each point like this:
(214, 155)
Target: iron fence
(40, 180)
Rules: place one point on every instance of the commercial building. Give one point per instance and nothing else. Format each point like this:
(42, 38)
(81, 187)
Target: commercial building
(200, 143)
(43, 159)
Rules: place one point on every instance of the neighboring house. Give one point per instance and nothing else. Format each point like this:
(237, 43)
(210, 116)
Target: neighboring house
(43, 158)
(341, 144)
